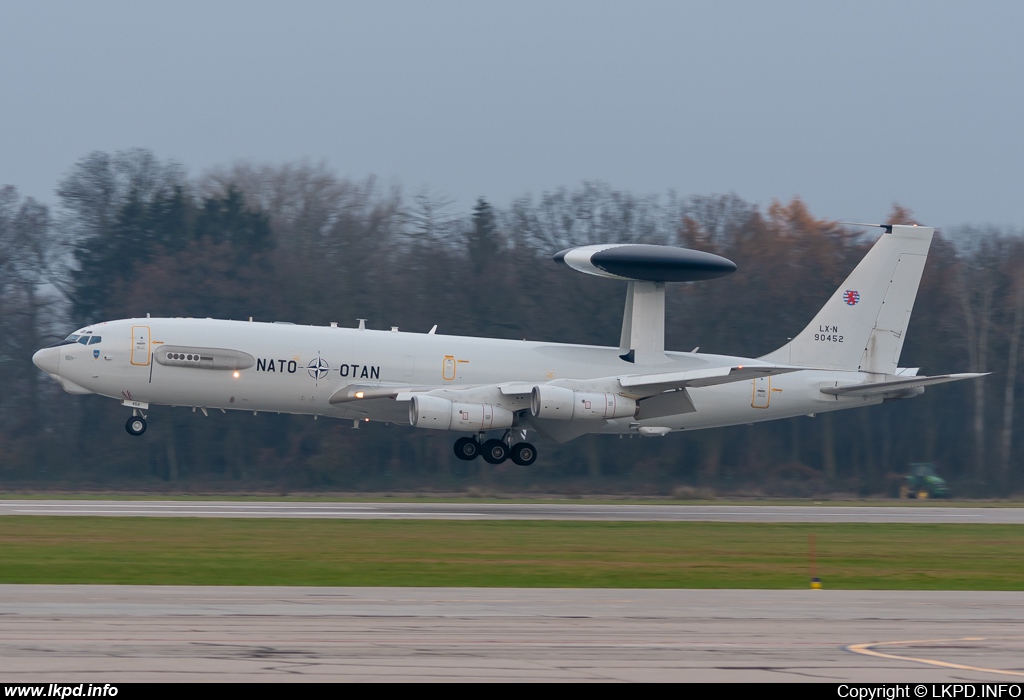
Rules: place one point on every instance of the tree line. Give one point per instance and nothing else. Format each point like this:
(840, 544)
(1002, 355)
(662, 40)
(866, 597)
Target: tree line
(130, 234)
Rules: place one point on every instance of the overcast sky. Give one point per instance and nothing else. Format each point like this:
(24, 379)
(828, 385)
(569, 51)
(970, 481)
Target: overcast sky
(852, 106)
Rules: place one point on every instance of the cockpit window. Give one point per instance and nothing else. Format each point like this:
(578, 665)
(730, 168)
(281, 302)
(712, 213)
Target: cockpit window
(73, 338)
(84, 340)
(95, 339)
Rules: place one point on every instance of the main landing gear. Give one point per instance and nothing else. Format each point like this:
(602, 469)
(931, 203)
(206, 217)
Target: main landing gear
(496, 451)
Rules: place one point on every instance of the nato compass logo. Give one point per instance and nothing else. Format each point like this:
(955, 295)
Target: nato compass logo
(318, 368)
(851, 296)
(96, 354)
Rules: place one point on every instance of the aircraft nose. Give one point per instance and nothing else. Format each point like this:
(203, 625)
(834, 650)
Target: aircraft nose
(47, 359)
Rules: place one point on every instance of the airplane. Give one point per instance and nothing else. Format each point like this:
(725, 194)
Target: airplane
(845, 358)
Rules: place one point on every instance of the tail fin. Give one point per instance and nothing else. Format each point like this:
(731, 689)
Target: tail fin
(863, 325)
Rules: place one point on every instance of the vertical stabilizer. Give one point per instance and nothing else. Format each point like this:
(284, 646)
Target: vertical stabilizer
(864, 324)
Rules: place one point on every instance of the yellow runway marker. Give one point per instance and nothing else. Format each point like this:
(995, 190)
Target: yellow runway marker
(868, 650)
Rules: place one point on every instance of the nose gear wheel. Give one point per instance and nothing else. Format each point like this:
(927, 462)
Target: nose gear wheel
(136, 425)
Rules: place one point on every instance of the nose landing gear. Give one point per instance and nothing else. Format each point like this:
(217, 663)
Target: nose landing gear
(136, 425)
(496, 451)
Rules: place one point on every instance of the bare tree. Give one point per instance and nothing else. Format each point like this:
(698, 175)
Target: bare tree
(1015, 306)
(708, 221)
(24, 294)
(304, 201)
(431, 218)
(977, 278)
(100, 183)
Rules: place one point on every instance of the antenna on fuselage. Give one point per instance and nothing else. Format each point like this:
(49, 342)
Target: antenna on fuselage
(647, 268)
(362, 323)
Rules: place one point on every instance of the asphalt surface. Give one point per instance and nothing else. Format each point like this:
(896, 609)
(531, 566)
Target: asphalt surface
(513, 511)
(117, 634)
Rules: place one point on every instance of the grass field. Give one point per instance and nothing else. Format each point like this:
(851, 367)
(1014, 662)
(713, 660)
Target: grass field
(507, 553)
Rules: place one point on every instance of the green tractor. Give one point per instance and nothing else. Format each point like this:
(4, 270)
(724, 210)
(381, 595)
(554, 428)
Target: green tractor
(922, 482)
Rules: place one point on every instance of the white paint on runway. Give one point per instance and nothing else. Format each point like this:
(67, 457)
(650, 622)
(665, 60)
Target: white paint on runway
(514, 511)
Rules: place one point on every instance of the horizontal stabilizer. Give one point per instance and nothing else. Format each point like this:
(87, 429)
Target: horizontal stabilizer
(896, 385)
(664, 381)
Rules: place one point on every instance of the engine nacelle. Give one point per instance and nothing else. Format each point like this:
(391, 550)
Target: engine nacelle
(439, 413)
(565, 404)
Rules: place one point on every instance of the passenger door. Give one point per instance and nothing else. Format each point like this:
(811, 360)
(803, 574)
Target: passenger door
(140, 346)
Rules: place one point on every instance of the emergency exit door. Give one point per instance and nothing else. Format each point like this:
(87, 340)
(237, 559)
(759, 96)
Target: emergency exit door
(762, 392)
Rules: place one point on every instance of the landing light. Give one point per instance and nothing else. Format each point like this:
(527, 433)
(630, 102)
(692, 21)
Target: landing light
(359, 394)
(236, 375)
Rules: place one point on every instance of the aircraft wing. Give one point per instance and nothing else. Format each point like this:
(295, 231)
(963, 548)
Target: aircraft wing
(895, 385)
(404, 392)
(516, 388)
(637, 384)
(359, 392)
(647, 384)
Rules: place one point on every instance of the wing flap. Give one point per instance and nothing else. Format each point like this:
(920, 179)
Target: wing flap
(669, 403)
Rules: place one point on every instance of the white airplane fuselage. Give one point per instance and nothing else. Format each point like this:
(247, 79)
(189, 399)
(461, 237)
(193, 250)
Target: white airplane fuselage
(298, 368)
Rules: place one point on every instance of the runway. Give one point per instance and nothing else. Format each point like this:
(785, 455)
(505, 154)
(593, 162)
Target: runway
(514, 511)
(116, 634)
(52, 633)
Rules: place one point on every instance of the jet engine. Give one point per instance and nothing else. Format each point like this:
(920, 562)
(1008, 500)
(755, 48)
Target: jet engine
(442, 414)
(565, 404)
